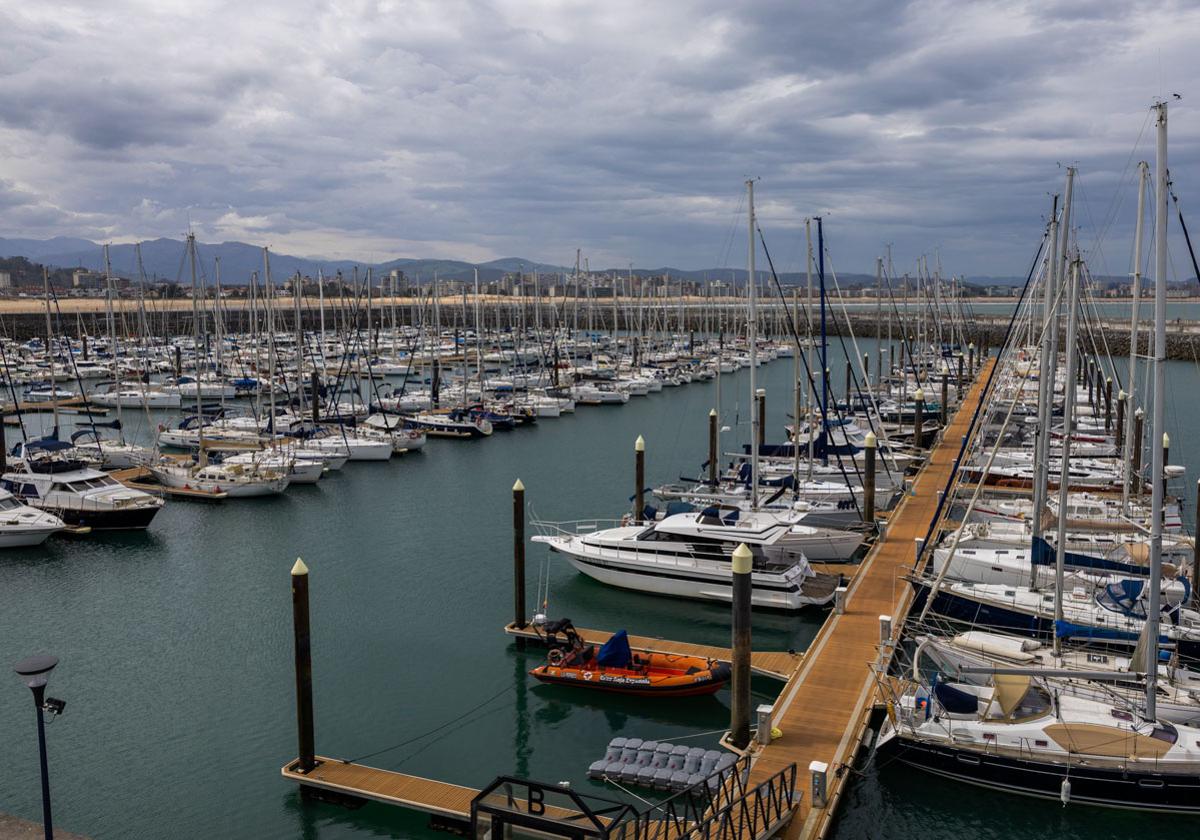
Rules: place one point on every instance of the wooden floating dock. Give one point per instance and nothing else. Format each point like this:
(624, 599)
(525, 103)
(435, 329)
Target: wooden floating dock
(825, 708)
(441, 799)
(779, 665)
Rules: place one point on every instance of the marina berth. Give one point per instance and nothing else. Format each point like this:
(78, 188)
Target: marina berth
(689, 555)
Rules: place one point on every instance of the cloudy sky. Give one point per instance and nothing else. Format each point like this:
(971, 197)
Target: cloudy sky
(371, 130)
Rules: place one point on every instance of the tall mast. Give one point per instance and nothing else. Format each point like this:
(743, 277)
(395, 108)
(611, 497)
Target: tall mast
(1046, 373)
(112, 328)
(808, 341)
(269, 299)
(1157, 473)
(753, 334)
(824, 344)
(191, 242)
(1064, 474)
(1134, 331)
(50, 350)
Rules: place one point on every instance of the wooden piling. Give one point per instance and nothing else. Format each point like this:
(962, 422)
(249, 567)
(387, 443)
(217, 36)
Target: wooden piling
(739, 726)
(1139, 421)
(712, 447)
(945, 399)
(761, 426)
(971, 359)
(1166, 445)
(919, 418)
(869, 480)
(316, 397)
(1108, 404)
(1122, 398)
(639, 476)
(303, 645)
(518, 499)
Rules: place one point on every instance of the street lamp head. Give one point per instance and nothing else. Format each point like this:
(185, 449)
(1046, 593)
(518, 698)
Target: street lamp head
(34, 670)
(36, 666)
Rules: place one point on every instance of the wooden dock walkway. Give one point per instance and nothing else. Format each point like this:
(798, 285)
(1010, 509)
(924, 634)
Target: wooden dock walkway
(779, 665)
(825, 708)
(428, 795)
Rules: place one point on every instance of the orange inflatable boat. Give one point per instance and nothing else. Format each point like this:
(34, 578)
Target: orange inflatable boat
(616, 668)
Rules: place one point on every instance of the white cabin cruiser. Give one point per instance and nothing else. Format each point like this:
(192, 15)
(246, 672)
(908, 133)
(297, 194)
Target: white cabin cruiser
(689, 556)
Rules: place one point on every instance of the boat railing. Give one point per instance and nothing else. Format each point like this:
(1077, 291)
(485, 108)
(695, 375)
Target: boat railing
(573, 527)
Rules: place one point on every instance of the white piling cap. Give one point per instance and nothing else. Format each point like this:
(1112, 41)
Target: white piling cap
(1108, 380)
(1139, 413)
(741, 559)
(1166, 441)
(919, 396)
(971, 346)
(762, 392)
(639, 445)
(1121, 395)
(518, 487)
(712, 412)
(871, 440)
(299, 568)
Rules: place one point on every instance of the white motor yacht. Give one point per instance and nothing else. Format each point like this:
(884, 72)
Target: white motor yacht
(689, 555)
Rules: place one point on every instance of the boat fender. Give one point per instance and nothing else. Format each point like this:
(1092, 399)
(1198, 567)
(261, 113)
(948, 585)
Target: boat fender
(587, 675)
(555, 656)
(891, 712)
(1064, 792)
(776, 733)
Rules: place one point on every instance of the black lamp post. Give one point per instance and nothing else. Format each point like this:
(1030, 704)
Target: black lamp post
(35, 670)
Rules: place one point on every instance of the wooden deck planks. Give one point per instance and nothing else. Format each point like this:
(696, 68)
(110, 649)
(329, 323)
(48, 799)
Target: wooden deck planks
(826, 704)
(779, 665)
(414, 792)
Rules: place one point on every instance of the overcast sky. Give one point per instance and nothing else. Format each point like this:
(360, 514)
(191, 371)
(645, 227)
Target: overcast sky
(371, 130)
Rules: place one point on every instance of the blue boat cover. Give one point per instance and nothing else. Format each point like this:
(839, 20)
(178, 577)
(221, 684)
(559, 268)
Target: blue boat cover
(616, 652)
(955, 700)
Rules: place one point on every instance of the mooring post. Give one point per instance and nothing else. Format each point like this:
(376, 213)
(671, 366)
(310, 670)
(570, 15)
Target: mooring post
(712, 448)
(1108, 404)
(971, 359)
(849, 382)
(960, 376)
(3, 447)
(434, 385)
(867, 371)
(1091, 382)
(316, 397)
(1139, 421)
(518, 496)
(178, 361)
(1122, 397)
(919, 418)
(1196, 546)
(869, 479)
(739, 727)
(303, 644)
(945, 398)
(1166, 443)
(761, 395)
(639, 476)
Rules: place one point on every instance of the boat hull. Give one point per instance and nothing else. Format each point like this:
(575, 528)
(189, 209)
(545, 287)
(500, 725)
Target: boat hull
(1091, 785)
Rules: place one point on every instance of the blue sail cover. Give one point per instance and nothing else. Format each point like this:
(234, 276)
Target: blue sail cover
(616, 652)
(1045, 555)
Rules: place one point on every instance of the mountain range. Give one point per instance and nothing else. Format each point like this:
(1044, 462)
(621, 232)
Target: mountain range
(163, 259)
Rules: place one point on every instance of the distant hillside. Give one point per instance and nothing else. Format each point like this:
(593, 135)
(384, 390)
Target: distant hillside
(164, 259)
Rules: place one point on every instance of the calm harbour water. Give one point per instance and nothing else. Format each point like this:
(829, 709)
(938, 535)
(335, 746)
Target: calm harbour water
(176, 651)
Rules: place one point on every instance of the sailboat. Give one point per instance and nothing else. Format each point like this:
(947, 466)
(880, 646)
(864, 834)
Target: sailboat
(1013, 728)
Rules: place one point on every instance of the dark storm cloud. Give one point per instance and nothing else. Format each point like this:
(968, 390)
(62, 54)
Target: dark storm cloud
(482, 129)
